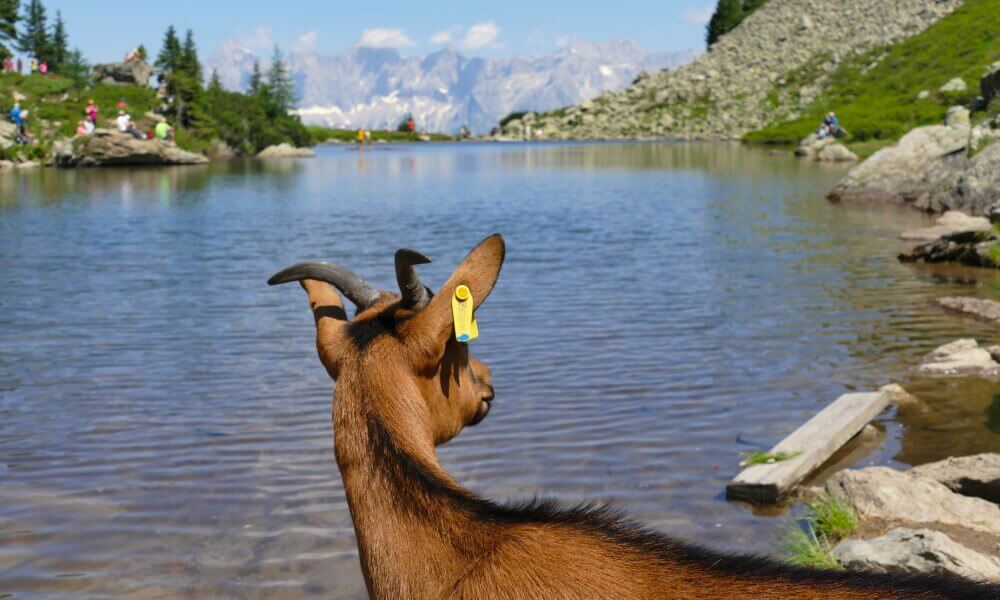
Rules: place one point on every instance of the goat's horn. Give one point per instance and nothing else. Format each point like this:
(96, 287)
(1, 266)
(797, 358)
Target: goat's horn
(357, 290)
(414, 294)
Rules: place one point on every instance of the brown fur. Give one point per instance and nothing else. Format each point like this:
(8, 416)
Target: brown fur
(404, 386)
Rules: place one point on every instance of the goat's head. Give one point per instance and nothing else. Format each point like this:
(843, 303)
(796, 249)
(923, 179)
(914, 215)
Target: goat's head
(405, 340)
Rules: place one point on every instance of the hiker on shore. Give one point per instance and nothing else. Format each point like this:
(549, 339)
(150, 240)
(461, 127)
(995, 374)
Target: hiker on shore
(81, 129)
(20, 65)
(43, 67)
(8, 65)
(32, 65)
(829, 127)
(18, 116)
(163, 132)
(124, 124)
(91, 111)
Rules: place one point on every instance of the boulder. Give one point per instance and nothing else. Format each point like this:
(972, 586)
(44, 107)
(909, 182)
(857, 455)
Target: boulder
(972, 248)
(920, 170)
(133, 72)
(285, 150)
(896, 497)
(109, 148)
(28, 164)
(812, 145)
(6, 165)
(978, 186)
(989, 85)
(977, 475)
(220, 150)
(956, 84)
(985, 310)
(957, 117)
(961, 358)
(950, 222)
(905, 550)
(993, 212)
(836, 153)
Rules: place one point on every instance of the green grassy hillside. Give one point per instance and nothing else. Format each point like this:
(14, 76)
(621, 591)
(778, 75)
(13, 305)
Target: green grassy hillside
(875, 95)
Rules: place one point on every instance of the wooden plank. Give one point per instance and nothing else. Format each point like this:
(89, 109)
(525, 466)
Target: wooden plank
(812, 444)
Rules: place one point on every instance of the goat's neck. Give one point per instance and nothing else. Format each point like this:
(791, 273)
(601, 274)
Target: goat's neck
(412, 540)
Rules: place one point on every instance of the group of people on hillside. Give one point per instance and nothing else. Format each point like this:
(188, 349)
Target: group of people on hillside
(10, 65)
(123, 123)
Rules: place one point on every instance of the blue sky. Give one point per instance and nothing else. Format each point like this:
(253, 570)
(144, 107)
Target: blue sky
(512, 27)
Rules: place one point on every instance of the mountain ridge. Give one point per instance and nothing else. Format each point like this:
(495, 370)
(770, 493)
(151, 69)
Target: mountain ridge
(376, 87)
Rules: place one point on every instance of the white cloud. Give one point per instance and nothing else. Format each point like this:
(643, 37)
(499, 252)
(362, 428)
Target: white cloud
(480, 36)
(698, 16)
(446, 36)
(563, 41)
(258, 38)
(384, 38)
(305, 43)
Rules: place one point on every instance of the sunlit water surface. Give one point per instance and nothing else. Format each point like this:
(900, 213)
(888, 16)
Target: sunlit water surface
(165, 424)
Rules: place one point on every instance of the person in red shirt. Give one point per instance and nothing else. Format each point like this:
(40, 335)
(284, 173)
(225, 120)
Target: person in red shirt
(411, 125)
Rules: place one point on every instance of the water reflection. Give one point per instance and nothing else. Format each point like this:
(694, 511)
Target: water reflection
(164, 423)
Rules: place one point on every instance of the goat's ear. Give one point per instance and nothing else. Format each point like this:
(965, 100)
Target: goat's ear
(428, 331)
(331, 323)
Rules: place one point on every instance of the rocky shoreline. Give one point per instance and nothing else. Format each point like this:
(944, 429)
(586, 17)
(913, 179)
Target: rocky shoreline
(941, 517)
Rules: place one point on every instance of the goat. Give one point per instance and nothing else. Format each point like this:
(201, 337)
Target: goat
(404, 385)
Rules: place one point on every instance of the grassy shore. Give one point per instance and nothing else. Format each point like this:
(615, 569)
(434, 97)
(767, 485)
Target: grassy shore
(323, 134)
(875, 95)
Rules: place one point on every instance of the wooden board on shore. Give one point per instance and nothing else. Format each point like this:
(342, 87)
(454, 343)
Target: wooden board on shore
(809, 447)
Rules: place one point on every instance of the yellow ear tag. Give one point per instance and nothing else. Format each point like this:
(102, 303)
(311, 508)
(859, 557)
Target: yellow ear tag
(466, 328)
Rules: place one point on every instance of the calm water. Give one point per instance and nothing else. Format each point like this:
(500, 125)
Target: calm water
(165, 423)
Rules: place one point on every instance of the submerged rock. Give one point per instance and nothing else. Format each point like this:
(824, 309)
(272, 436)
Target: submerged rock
(977, 475)
(962, 358)
(110, 148)
(985, 310)
(905, 550)
(285, 150)
(950, 222)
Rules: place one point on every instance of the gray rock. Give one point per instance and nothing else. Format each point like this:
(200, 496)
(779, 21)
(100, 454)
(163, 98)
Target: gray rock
(978, 186)
(836, 153)
(904, 498)
(958, 117)
(917, 551)
(133, 72)
(985, 310)
(923, 95)
(285, 150)
(110, 148)
(989, 85)
(993, 212)
(28, 164)
(956, 84)
(972, 248)
(961, 358)
(920, 170)
(6, 165)
(977, 475)
(950, 222)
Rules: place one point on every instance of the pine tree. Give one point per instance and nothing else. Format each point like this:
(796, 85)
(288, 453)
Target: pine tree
(75, 68)
(281, 88)
(170, 55)
(255, 80)
(60, 42)
(189, 63)
(141, 52)
(215, 83)
(34, 40)
(728, 14)
(751, 5)
(10, 14)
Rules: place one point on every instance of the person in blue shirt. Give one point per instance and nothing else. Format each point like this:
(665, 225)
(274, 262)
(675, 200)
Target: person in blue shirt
(830, 126)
